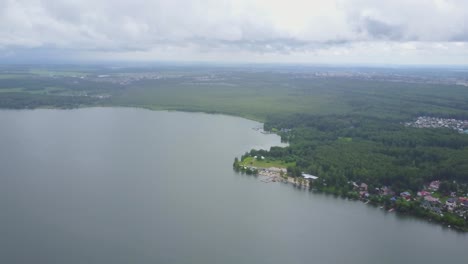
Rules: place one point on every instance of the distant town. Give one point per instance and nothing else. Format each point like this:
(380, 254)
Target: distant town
(436, 122)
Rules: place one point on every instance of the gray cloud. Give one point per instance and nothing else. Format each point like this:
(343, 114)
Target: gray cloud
(416, 20)
(381, 30)
(463, 35)
(226, 26)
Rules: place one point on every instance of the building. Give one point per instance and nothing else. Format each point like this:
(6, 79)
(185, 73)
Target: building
(451, 204)
(309, 176)
(363, 187)
(423, 193)
(386, 191)
(406, 195)
(434, 185)
(431, 199)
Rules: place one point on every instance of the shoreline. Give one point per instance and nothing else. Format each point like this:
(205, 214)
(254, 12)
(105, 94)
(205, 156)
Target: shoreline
(149, 108)
(272, 175)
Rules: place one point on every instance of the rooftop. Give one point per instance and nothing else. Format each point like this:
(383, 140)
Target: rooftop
(309, 176)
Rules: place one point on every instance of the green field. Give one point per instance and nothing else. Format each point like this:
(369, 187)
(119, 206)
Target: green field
(254, 101)
(265, 163)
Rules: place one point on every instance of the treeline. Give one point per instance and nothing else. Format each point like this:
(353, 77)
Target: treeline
(31, 101)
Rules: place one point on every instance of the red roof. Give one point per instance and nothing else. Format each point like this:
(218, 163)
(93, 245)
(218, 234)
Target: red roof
(424, 193)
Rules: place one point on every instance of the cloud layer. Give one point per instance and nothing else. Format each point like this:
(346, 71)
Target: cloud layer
(261, 30)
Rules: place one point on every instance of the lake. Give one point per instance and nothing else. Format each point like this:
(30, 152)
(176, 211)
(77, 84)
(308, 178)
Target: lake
(125, 185)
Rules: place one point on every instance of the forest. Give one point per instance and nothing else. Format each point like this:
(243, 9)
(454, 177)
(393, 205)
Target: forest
(372, 150)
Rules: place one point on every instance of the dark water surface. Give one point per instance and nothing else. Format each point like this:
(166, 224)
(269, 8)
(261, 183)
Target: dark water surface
(117, 185)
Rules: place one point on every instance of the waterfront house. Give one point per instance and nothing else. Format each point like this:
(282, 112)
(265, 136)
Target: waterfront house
(451, 204)
(309, 176)
(431, 199)
(425, 205)
(465, 204)
(363, 187)
(406, 195)
(436, 210)
(386, 191)
(423, 193)
(434, 185)
(451, 201)
(364, 194)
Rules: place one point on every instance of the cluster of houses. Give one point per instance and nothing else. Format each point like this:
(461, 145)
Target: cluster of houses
(434, 122)
(362, 188)
(130, 77)
(427, 197)
(457, 205)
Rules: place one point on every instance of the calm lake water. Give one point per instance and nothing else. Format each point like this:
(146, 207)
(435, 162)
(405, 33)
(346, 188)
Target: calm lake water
(123, 185)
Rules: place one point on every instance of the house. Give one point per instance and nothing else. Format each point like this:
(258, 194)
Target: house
(364, 194)
(451, 203)
(363, 187)
(309, 176)
(436, 210)
(386, 191)
(431, 199)
(465, 204)
(406, 195)
(434, 185)
(426, 205)
(423, 193)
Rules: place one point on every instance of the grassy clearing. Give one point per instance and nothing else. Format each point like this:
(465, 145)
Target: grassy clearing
(265, 163)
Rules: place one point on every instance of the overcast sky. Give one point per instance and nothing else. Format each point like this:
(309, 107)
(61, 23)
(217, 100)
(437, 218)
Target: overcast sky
(298, 31)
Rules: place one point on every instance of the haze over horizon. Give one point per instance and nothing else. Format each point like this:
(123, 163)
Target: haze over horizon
(254, 31)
